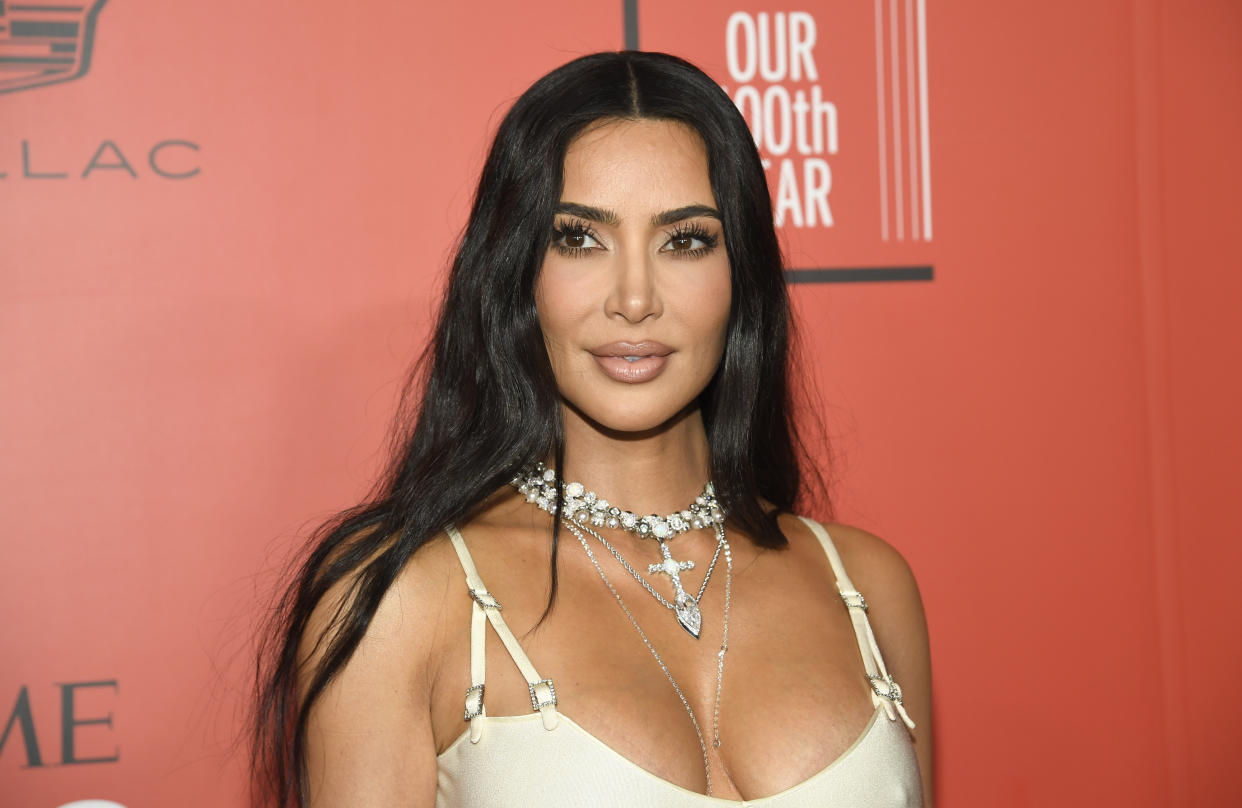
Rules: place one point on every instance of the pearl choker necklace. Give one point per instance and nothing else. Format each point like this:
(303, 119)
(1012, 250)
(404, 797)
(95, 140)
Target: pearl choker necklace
(538, 484)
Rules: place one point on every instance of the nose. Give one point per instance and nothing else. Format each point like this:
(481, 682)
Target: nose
(634, 295)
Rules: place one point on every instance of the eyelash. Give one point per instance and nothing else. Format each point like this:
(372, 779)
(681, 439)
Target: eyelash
(579, 228)
(575, 227)
(696, 231)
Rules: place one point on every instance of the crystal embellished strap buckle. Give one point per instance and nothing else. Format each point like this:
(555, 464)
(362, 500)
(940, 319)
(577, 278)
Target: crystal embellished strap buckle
(474, 702)
(854, 600)
(542, 694)
(885, 687)
(485, 599)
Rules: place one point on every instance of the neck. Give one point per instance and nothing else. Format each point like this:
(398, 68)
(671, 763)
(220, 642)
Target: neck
(657, 471)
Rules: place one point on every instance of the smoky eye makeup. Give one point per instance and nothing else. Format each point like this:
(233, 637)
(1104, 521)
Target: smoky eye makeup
(687, 239)
(574, 237)
(682, 240)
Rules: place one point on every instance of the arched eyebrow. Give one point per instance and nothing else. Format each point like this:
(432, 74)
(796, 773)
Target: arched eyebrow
(601, 215)
(688, 212)
(610, 218)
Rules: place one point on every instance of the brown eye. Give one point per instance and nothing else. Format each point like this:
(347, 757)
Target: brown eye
(574, 238)
(689, 243)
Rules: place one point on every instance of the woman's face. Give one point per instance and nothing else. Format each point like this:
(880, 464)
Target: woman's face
(634, 292)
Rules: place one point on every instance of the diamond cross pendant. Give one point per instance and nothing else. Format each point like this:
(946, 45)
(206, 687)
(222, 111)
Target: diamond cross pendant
(684, 606)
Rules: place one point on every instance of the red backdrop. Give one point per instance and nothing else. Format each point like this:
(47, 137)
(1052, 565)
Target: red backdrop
(222, 240)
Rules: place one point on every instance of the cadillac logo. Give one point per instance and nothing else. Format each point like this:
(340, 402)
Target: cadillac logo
(45, 41)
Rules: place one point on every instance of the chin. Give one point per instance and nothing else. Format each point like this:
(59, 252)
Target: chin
(641, 416)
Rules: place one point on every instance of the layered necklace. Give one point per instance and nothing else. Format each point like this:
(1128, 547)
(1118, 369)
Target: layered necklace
(583, 511)
(586, 509)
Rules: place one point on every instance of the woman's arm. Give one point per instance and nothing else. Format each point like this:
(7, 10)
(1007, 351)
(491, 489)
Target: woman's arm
(368, 736)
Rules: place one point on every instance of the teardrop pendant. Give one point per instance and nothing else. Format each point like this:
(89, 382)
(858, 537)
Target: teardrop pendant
(688, 614)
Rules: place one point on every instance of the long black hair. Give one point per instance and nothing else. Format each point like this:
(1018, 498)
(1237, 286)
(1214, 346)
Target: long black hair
(485, 402)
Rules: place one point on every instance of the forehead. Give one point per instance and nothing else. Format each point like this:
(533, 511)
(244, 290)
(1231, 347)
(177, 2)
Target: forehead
(645, 163)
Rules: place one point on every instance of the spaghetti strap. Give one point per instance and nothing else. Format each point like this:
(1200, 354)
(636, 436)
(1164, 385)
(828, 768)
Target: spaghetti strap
(487, 609)
(883, 689)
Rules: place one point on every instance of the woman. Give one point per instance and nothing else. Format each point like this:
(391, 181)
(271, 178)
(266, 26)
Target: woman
(616, 311)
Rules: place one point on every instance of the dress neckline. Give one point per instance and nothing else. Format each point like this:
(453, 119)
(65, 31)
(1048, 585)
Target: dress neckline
(873, 722)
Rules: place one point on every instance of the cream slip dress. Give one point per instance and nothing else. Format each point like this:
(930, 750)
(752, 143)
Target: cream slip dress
(545, 759)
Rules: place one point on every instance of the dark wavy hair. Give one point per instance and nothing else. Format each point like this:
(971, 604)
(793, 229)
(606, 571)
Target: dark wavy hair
(484, 402)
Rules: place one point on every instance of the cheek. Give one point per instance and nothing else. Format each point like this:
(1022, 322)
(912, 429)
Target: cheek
(716, 316)
(556, 309)
(546, 305)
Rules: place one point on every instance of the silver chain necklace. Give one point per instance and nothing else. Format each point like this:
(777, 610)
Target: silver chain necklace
(538, 484)
(720, 656)
(684, 606)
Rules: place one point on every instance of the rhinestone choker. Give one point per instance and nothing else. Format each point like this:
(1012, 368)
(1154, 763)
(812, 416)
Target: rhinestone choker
(538, 484)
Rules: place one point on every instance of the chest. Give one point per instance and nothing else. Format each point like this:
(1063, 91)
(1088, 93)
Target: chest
(792, 693)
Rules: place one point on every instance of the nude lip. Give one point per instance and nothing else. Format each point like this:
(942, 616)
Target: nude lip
(650, 362)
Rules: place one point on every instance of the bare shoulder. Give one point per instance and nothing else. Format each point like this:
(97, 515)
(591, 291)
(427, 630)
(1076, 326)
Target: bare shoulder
(406, 618)
(873, 565)
(895, 611)
(879, 571)
(368, 732)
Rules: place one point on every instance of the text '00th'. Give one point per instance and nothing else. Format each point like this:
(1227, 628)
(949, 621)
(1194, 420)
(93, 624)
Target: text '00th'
(795, 128)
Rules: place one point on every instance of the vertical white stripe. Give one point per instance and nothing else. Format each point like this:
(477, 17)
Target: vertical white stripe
(883, 123)
(926, 160)
(898, 179)
(910, 122)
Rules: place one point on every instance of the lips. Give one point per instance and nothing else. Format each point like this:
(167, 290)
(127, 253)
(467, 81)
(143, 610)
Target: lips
(631, 362)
